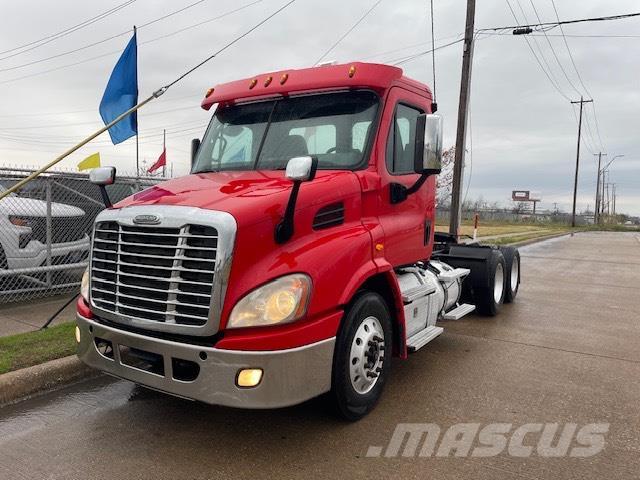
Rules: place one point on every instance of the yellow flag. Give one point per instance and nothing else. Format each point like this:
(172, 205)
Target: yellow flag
(92, 161)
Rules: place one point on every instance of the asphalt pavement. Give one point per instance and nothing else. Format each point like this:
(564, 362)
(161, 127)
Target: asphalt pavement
(567, 352)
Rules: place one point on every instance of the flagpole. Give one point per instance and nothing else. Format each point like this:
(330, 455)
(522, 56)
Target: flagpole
(135, 33)
(164, 150)
(68, 152)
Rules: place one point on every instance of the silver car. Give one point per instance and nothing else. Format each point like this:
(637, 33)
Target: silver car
(23, 233)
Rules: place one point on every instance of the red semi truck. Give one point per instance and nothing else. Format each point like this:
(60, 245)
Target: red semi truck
(298, 256)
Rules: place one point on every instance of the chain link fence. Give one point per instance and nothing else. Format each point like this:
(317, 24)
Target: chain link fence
(45, 230)
(509, 216)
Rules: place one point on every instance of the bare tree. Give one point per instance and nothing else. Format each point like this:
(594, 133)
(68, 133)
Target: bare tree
(445, 178)
(520, 207)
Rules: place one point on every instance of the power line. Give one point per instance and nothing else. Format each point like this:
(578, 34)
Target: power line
(27, 47)
(433, 57)
(553, 51)
(549, 75)
(592, 138)
(568, 35)
(591, 148)
(353, 27)
(564, 22)
(412, 57)
(232, 42)
(157, 93)
(575, 67)
(117, 52)
(86, 110)
(406, 47)
(542, 56)
(536, 57)
(118, 35)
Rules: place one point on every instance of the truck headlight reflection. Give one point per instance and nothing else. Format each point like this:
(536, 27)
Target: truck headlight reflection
(281, 301)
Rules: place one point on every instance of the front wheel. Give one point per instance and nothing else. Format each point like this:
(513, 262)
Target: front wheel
(361, 360)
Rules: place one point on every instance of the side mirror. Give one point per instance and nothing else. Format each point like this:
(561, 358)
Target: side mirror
(299, 169)
(302, 169)
(103, 175)
(195, 146)
(428, 144)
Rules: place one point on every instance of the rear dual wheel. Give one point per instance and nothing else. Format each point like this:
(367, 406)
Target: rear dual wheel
(489, 294)
(512, 261)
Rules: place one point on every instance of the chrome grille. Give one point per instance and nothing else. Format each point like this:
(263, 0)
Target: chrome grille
(154, 274)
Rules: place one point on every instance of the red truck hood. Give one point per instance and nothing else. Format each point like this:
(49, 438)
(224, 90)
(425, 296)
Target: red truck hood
(250, 196)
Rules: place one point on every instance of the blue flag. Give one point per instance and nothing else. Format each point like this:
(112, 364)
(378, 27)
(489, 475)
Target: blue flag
(121, 94)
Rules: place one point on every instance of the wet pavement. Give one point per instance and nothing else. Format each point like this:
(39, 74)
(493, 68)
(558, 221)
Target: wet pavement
(568, 351)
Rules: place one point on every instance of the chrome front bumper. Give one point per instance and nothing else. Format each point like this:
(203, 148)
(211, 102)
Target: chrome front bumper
(290, 376)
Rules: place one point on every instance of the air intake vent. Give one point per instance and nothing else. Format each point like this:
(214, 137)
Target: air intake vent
(329, 216)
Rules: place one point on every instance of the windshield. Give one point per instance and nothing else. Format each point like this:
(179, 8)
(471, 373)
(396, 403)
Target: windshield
(335, 127)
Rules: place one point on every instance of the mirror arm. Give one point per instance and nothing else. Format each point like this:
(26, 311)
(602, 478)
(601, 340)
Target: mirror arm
(195, 146)
(105, 196)
(399, 192)
(284, 229)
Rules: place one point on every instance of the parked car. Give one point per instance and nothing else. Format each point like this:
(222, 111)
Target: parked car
(23, 233)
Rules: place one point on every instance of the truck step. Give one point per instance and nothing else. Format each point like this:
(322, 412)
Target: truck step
(459, 312)
(452, 275)
(423, 337)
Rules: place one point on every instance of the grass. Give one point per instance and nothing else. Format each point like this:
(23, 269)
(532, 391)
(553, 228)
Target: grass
(496, 229)
(520, 238)
(33, 348)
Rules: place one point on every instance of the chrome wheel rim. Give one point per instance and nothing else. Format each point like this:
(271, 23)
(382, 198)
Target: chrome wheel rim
(498, 284)
(366, 356)
(515, 274)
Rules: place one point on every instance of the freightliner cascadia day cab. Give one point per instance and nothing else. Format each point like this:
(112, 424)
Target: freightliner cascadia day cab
(298, 256)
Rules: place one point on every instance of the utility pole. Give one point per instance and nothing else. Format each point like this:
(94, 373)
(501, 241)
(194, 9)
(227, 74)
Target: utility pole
(596, 210)
(613, 185)
(604, 171)
(461, 133)
(575, 181)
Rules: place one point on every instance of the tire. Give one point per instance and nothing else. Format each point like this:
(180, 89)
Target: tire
(4, 265)
(366, 328)
(489, 297)
(512, 275)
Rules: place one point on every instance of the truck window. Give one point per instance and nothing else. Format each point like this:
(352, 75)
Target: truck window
(233, 146)
(265, 135)
(319, 139)
(359, 135)
(400, 149)
(230, 142)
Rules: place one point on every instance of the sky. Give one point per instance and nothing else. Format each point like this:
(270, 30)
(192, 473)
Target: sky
(522, 129)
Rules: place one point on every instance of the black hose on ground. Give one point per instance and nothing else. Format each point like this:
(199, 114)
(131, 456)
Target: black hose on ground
(58, 312)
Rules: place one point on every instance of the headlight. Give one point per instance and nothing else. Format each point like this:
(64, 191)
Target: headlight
(281, 301)
(84, 285)
(19, 221)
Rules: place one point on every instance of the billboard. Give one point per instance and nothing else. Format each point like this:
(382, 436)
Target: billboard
(525, 196)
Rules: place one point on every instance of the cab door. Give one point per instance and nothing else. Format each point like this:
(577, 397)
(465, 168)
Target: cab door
(407, 225)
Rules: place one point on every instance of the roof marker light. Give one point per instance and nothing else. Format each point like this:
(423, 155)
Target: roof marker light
(268, 80)
(253, 83)
(284, 78)
(352, 71)
(209, 92)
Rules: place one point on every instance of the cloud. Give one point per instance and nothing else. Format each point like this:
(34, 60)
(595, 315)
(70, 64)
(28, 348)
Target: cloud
(523, 132)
